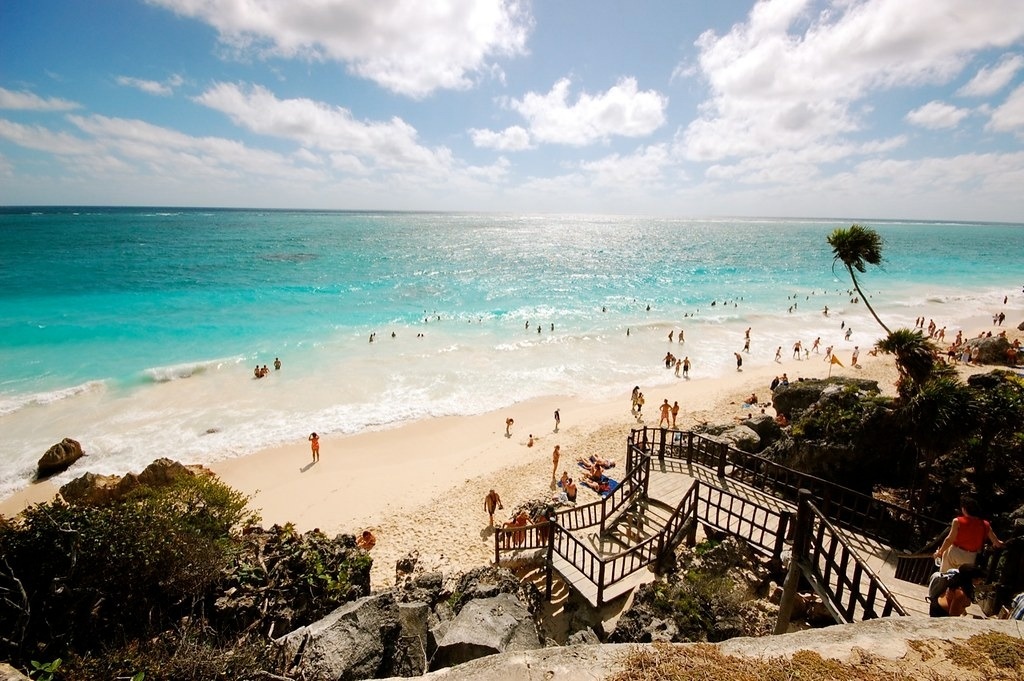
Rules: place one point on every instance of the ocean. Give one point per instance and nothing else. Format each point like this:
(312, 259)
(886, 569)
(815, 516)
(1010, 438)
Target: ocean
(136, 330)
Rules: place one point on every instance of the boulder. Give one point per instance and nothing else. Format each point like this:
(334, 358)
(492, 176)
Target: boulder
(9, 673)
(741, 437)
(797, 396)
(766, 428)
(59, 457)
(350, 643)
(91, 489)
(990, 350)
(486, 626)
(412, 649)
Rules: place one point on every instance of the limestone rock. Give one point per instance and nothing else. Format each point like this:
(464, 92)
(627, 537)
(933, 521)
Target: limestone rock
(350, 643)
(741, 437)
(92, 489)
(486, 626)
(766, 428)
(9, 673)
(799, 395)
(59, 458)
(990, 350)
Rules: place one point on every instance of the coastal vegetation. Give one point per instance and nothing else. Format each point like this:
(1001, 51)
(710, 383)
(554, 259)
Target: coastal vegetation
(173, 581)
(965, 438)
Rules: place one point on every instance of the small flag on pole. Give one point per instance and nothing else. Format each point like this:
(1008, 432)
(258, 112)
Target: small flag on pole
(835, 360)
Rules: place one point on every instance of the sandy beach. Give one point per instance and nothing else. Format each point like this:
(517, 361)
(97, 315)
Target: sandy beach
(421, 487)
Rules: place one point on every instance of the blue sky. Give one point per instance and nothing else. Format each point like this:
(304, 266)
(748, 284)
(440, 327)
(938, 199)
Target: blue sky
(852, 108)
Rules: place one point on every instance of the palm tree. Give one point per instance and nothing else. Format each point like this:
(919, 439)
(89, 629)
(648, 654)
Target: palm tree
(915, 359)
(857, 247)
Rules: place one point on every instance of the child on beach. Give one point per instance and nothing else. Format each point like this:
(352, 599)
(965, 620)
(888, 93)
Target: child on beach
(314, 445)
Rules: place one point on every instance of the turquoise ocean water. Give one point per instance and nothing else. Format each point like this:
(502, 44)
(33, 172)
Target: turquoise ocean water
(136, 330)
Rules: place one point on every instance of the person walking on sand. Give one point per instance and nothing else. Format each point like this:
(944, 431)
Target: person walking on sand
(555, 455)
(558, 420)
(314, 445)
(778, 354)
(665, 409)
(855, 356)
(739, 361)
(492, 503)
(675, 413)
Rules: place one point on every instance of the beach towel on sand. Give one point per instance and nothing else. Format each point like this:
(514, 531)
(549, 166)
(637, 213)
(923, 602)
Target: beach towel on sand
(612, 486)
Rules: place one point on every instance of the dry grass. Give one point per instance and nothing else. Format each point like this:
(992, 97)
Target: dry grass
(660, 662)
(982, 657)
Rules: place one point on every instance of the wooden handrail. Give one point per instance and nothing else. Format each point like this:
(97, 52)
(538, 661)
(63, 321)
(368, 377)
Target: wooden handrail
(849, 508)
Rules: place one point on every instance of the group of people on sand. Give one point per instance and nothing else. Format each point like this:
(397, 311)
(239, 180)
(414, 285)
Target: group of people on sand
(260, 372)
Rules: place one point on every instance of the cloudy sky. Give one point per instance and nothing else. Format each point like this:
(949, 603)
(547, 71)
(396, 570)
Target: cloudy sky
(849, 108)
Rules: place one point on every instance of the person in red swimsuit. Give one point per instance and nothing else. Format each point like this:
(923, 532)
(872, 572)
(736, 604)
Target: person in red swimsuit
(966, 537)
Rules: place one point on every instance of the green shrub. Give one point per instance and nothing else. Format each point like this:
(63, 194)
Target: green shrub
(76, 576)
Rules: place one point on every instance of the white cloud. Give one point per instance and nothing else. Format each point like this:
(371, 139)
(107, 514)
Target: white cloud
(164, 89)
(412, 48)
(787, 78)
(27, 101)
(43, 139)
(640, 171)
(989, 81)
(936, 115)
(1009, 116)
(315, 125)
(514, 138)
(620, 111)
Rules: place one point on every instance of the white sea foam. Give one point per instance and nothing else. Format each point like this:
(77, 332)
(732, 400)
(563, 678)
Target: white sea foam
(9, 405)
(188, 369)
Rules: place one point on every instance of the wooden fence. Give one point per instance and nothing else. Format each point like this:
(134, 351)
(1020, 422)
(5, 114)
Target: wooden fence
(898, 527)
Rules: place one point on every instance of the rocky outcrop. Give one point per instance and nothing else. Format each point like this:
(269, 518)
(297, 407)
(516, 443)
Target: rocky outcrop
(766, 428)
(991, 350)
(741, 437)
(350, 643)
(91, 489)
(487, 626)
(9, 673)
(792, 399)
(422, 623)
(59, 458)
(911, 648)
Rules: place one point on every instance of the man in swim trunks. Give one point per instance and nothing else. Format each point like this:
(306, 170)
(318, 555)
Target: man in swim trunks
(492, 502)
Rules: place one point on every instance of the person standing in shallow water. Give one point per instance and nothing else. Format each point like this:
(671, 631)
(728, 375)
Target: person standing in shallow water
(314, 445)
(739, 361)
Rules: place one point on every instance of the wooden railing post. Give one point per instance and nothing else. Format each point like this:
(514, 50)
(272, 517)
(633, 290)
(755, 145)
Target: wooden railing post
(723, 450)
(661, 445)
(691, 535)
(497, 553)
(780, 536)
(548, 578)
(796, 560)
(689, 448)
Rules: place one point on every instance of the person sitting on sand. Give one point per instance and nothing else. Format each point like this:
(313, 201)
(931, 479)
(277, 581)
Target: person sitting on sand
(529, 443)
(508, 426)
(366, 540)
(564, 479)
(752, 400)
(492, 502)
